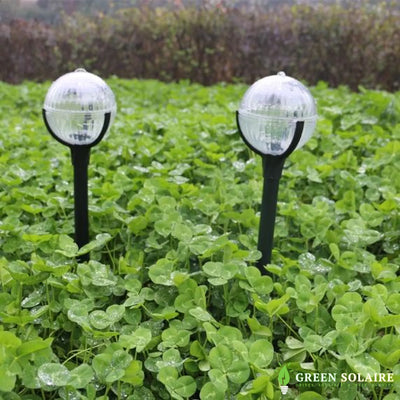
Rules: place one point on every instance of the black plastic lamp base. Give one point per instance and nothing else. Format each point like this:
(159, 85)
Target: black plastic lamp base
(272, 171)
(80, 155)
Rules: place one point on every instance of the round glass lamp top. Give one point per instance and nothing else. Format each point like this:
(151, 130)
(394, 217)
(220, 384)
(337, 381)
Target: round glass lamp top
(269, 111)
(76, 105)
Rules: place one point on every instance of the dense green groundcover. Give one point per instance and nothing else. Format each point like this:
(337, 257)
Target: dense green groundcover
(171, 305)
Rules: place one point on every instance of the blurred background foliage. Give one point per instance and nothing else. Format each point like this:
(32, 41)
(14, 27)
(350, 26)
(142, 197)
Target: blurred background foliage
(356, 43)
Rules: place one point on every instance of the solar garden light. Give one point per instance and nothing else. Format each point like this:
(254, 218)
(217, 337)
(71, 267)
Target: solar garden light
(276, 116)
(78, 110)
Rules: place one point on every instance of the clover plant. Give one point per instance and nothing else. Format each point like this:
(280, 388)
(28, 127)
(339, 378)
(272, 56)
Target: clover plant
(171, 306)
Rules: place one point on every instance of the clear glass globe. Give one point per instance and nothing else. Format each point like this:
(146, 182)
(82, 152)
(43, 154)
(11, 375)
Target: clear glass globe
(269, 111)
(75, 106)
